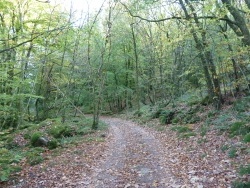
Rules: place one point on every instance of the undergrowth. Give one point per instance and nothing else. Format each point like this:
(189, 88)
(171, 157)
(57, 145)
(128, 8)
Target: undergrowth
(50, 133)
(190, 116)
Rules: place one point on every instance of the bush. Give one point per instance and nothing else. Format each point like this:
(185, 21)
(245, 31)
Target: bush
(34, 156)
(10, 143)
(156, 114)
(7, 166)
(34, 138)
(60, 131)
(166, 116)
(52, 144)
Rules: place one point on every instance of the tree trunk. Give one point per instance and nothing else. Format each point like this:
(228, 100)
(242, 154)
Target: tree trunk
(137, 87)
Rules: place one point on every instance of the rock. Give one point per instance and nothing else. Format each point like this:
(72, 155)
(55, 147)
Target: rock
(41, 141)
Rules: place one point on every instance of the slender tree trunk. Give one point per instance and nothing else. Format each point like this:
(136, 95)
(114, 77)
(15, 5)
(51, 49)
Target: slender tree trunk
(212, 80)
(137, 86)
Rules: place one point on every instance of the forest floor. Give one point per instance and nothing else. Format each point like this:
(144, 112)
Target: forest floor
(134, 156)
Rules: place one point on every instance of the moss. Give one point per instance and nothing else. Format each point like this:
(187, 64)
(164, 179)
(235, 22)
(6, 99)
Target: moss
(34, 138)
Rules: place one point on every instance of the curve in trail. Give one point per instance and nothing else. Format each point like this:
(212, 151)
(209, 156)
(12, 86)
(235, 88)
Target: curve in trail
(135, 158)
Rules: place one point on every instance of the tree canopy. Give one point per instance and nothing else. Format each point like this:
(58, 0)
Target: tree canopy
(127, 54)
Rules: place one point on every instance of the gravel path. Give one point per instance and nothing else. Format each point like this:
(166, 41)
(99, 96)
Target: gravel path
(134, 159)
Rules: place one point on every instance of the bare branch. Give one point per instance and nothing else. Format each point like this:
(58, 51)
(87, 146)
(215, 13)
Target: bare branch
(177, 17)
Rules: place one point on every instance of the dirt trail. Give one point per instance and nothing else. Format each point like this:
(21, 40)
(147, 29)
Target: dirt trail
(137, 157)
(134, 159)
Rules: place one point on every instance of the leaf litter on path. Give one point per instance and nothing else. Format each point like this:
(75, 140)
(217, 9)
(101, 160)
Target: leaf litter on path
(135, 156)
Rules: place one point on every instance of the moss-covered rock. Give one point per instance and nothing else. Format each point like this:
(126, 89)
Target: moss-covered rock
(37, 140)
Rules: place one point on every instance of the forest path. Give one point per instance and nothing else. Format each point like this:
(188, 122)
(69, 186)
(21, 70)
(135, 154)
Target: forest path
(134, 158)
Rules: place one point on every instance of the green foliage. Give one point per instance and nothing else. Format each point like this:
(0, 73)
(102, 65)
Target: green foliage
(156, 113)
(166, 116)
(239, 128)
(246, 138)
(84, 130)
(212, 113)
(7, 161)
(181, 129)
(52, 144)
(242, 105)
(245, 170)
(206, 101)
(69, 140)
(221, 122)
(232, 153)
(138, 113)
(60, 131)
(35, 137)
(27, 136)
(10, 143)
(34, 156)
(239, 184)
(203, 130)
(225, 147)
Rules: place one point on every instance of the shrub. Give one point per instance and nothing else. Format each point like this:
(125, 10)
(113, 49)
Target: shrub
(60, 131)
(156, 114)
(246, 138)
(6, 164)
(239, 128)
(52, 144)
(10, 143)
(34, 138)
(34, 156)
(166, 116)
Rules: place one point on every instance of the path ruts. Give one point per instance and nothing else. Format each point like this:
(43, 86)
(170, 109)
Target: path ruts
(134, 159)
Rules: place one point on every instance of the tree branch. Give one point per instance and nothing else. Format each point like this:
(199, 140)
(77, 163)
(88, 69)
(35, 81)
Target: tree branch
(30, 40)
(176, 17)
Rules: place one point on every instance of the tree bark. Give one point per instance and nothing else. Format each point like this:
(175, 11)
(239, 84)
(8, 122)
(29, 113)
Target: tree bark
(137, 87)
